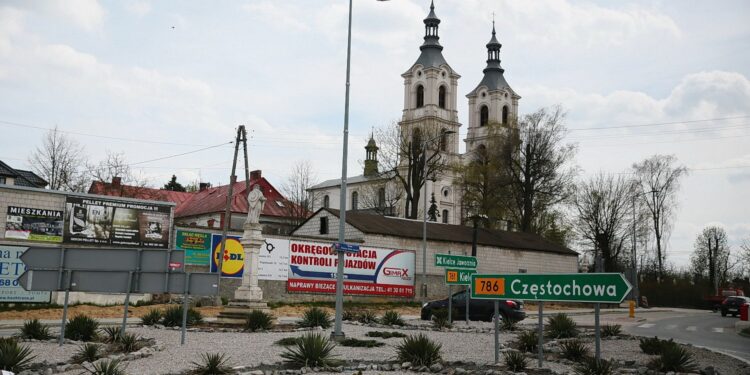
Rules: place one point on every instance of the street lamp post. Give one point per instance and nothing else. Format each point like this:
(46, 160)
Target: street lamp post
(634, 261)
(424, 213)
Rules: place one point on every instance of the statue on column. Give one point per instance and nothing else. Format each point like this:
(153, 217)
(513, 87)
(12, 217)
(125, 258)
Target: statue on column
(255, 203)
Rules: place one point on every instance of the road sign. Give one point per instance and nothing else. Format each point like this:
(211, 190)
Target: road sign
(201, 284)
(458, 276)
(346, 247)
(576, 287)
(455, 261)
(106, 259)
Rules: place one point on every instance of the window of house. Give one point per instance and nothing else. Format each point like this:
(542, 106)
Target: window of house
(445, 216)
(326, 201)
(381, 197)
(2, 180)
(484, 116)
(324, 225)
(355, 200)
(441, 97)
(505, 115)
(420, 96)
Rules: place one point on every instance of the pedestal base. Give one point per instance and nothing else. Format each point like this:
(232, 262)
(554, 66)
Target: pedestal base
(236, 311)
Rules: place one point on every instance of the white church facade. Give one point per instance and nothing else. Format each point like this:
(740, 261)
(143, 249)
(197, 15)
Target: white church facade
(430, 113)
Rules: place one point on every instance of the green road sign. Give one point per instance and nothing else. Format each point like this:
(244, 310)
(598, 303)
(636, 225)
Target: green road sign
(458, 276)
(575, 287)
(455, 261)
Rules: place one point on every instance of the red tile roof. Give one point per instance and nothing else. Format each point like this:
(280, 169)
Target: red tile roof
(138, 192)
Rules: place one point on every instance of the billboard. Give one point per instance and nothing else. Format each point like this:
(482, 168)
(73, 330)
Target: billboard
(11, 267)
(197, 246)
(273, 259)
(371, 271)
(118, 223)
(34, 224)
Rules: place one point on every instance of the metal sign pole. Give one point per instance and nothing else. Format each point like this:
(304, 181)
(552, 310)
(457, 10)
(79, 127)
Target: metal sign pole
(127, 302)
(185, 308)
(468, 301)
(450, 303)
(497, 333)
(65, 310)
(598, 335)
(540, 329)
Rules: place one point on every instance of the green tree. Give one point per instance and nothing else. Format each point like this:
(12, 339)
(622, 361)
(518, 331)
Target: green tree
(173, 185)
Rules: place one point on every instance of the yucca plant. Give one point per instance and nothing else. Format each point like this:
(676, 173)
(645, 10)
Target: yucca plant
(560, 326)
(673, 358)
(152, 317)
(384, 335)
(107, 367)
(361, 343)
(392, 318)
(367, 317)
(590, 366)
(14, 357)
(574, 350)
(611, 330)
(111, 334)
(129, 343)
(81, 328)
(286, 341)
(348, 315)
(173, 317)
(655, 346)
(516, 361)
(212, 364)
(315, 317)
(87, 352)
(310, 350)
(508, 325)
(419, 350)
(36, 330)
(258, 320)
(527, 341)
(440, 319)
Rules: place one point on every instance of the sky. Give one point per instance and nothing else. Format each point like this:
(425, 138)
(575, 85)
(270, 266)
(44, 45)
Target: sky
(156, 79)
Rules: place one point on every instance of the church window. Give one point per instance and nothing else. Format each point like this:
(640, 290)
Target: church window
(505, 115)
(441, 97)
(326, 201)
(484, 94)
(381, 197)
(443, 140)
(484, 116)
(420, 96)
(445, 216)
(355, 200)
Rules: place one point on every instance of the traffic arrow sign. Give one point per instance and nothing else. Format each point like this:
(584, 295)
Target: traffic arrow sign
(455, 261)
(576, 287)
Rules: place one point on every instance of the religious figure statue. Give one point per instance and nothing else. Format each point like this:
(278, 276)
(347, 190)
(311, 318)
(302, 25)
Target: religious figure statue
(255, 203)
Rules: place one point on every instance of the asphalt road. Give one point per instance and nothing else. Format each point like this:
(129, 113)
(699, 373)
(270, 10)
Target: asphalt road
(705, 329)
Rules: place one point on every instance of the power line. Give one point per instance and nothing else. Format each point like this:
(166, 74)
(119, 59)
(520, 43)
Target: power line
(675, 141)
(184, 153)
(665, 132)
(658, 123)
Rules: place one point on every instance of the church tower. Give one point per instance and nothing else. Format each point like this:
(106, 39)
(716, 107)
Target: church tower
(492, 102)
(371, 158)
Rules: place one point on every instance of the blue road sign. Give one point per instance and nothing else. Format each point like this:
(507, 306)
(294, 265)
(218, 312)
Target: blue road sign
(346, 247)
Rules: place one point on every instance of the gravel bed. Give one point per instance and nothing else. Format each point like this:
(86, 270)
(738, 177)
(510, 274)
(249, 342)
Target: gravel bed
(51, 352)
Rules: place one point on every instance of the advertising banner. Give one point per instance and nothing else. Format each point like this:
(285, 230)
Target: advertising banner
(273, 259)
(11, 267)
(105, 222)
(371, 271)
(197, 247)
(34, 224)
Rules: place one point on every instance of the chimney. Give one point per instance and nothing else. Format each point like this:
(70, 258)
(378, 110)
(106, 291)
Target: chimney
(255, 175)
(116, 182)
(203, 186)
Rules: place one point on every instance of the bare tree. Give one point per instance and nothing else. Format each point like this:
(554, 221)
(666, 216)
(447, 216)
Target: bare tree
(744, 257)
(603, 216)
(541, 169)
(711, 255)
(382, 196)
(295, 189)
(402, 155)
(60, 161)
(658, 179)
(113, 165)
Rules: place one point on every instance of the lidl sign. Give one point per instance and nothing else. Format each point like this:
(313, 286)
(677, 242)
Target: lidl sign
(576, 287)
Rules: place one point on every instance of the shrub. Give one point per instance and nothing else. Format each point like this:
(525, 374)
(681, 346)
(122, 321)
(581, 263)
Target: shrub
(419, 350)
(516, 361)
(212, 364)
(152, 317)
(392, 318)
(673, 358)
(34, 329)
(14, 357)
(87, 352)
(527, 341)
(310, 350)
(560, 326)
(129, 343)
(611, 330)
(440, 319)
(348, 315)
(367, 317)
(361, 343)
(173, 317)
(315, 317)
(574, 350)
(654, 345)
(286, 341)
(384, 335)
(590, 366)
(112, 334)
(508, 325)
(258, 320)
(107, 367)
(81, 328)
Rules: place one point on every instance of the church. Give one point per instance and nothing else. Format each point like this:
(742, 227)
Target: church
(430, 118)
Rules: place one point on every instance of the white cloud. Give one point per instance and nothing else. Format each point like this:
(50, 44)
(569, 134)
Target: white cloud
(278, 15)
(85, 14)
(139, 8)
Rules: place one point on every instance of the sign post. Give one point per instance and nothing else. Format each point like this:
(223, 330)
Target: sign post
(459, 269)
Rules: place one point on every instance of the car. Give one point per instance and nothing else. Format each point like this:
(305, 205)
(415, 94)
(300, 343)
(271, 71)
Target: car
(479, 309)
(731, 305)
